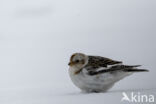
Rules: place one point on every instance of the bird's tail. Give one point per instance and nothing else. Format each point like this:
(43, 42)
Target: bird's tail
(134, 69)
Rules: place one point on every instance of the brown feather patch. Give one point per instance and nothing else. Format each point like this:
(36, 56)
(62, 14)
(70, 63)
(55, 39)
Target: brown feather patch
(72, 57)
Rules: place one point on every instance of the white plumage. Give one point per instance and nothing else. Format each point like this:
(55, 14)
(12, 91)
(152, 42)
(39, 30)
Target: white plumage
(96, 83)
(97, 74)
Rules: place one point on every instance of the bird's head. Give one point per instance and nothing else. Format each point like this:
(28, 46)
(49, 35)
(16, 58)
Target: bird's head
(78, 60)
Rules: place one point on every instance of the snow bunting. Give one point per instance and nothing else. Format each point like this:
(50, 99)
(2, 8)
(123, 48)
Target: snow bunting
(96, 73)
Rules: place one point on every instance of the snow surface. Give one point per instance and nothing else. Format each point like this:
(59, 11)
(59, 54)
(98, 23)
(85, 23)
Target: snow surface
(65, 95)
(37, 38)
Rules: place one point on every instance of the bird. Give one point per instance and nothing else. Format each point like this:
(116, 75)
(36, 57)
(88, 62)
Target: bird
(96, 73)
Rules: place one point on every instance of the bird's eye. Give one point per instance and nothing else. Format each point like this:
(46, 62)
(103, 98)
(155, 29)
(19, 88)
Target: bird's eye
(77, 61)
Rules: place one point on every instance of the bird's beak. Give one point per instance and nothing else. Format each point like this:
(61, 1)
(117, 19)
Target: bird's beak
(70, 63)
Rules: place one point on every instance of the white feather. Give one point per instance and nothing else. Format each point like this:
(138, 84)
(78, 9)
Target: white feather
(100, 82)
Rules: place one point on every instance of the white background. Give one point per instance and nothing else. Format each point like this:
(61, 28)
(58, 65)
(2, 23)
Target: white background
(37, 38)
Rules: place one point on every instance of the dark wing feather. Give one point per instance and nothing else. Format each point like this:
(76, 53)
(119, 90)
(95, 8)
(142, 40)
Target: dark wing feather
(124, 68)
(97, 61)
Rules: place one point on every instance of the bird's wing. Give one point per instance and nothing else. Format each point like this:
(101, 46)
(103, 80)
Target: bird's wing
(124, 68)
(95, 62)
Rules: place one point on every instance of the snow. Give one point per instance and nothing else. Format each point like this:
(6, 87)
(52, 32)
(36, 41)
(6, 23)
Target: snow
(64, 95)
(37, 38)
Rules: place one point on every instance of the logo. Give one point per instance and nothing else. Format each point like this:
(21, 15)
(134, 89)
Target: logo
(137, 97)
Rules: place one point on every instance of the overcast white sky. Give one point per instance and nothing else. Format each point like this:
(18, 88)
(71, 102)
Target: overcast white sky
(37, 38)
